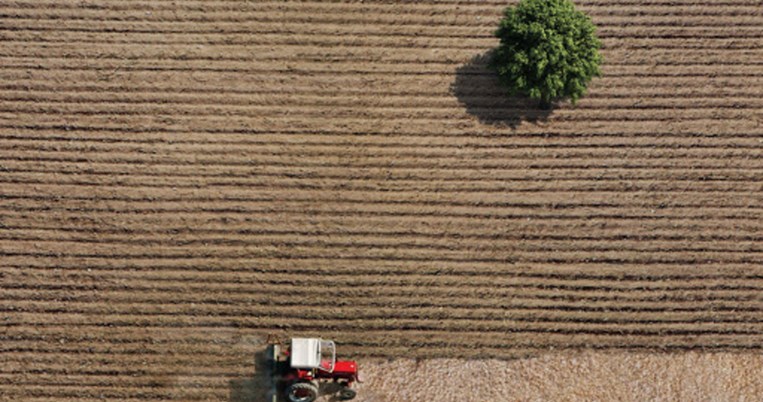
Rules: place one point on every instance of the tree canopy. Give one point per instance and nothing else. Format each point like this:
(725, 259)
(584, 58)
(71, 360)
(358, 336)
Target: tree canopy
(548, 50)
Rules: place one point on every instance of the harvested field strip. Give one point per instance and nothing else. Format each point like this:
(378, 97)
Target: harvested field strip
(547, 308)
(656, 220)
(329, 267)
(192, 114)
(412, 339)
(228, 5)
(358, 17)
(499, 150)
(435, 187)
(102, 392)
(370, 13)
(411, 26)
(431, 85)
(476, 200)
(279, 280)
(66, 380)
(277, 146)
(298, 251)
(400, 178)
(275, 36)
(412, 241)
(500, 331)
(130, 340)
(535, 313)
(404, 159)
(31, 90)
(735, 221)
(180, 351)
(48, 364)
(240, 207)
(232, 107)
(324, 70)
(33, 31)
(51, 377)
(193, 360)
(223, 5)
(232, 176)
(416, 140)
(731, 310)
(129, 355)
(555, 139)
(78, 398)
(622, 87)
(45, 136)
(398, 339)
(189, 392)
(439, 341)
(388, 103)
(698, 128)
(291, 127)
(638, 43)
(446, 163)
(45, 140)
(474, 280)
(641, 161)
(140, 291)
(83, 62)
(652, 183)
(133, 50)
(313, 227)
(107, 380)
(341, 241)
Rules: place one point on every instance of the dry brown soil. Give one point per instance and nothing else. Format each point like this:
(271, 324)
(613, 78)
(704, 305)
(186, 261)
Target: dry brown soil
(179, 179)
(570, 377)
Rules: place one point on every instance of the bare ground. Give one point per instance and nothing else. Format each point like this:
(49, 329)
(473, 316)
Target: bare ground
(566, 376)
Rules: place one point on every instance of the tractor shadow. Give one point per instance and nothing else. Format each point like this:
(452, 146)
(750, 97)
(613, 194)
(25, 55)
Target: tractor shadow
(256, 388)
(478, 89)
(329, 392)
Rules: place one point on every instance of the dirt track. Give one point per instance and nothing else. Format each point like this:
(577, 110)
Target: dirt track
(180, 179)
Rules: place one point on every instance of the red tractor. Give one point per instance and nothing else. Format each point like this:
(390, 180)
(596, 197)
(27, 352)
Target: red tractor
(309, 368)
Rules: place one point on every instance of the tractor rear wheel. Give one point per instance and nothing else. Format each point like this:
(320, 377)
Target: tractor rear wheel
(302, 392)
(347, 393)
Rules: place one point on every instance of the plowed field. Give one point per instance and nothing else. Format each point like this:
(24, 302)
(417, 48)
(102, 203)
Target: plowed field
(179, 179)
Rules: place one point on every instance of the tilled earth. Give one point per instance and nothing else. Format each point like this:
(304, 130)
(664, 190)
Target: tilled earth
(181, 179)
(569, 377)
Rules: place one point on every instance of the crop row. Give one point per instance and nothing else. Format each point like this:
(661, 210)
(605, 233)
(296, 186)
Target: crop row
(365, 14)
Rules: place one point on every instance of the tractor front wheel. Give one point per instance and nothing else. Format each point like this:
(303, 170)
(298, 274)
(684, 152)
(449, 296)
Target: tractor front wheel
(347, 393)
(302, 392)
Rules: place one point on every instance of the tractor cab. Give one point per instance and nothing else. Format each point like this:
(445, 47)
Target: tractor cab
(311, 353)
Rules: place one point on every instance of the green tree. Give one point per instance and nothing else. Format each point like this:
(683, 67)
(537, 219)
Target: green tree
(548, 50)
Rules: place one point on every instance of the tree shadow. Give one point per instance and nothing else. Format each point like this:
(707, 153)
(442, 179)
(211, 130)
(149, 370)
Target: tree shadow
(258, 387)
(477, 88)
